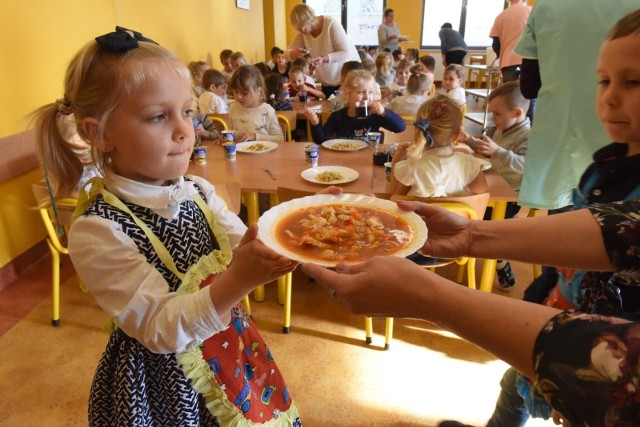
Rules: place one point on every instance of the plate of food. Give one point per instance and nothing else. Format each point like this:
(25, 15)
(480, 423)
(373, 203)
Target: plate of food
(330, 175)
(256, 147)
(345, 144)
(328, 229)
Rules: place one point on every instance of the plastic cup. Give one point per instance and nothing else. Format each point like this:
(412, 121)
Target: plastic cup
(200, 155)
(387, 171)
(228, 136)
(311, 154)
(374, 138)
(229, 151)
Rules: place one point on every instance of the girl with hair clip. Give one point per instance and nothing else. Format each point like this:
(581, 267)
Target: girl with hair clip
(159, 252)
(429, 167)
(197, 69)
(249, 115)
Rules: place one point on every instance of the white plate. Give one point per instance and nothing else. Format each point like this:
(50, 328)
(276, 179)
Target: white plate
(348, 174)
(268, 220)
(357, 143)
(243, 147)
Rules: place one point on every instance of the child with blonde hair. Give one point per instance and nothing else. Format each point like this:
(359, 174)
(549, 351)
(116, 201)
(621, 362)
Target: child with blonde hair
(214, 98)
(250, 116)
(197, 69)
(453, 83)
(358, 90)
(428, 166)
(237, 60)
(417, 93)
(384, 70)
(151, 246)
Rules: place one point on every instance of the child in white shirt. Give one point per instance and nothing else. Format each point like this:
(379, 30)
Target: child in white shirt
(214, 98)
(417, 93)
(249, 116)
(428, 166)
(453, 83)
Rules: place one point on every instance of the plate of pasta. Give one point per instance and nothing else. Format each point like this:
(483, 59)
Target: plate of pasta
(348, 228)
(330, 175)
(345, 144)
(256, 147)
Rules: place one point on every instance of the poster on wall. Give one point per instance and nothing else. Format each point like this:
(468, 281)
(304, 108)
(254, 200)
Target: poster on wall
(242, 4)
(363, 19)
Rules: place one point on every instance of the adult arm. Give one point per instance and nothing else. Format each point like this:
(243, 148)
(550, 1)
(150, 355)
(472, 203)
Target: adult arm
(396, 287)
(495, 44)
(571, 239)
(293, 50)
(530, 81)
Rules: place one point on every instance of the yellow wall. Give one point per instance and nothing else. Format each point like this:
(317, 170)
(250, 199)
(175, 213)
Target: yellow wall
(40, 36)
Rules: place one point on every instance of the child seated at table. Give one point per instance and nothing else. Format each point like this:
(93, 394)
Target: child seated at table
(249, 116)
(298, 84)
(275, 93)
(411, 55)
(384, 70)
(429, 62)
(281, 64)
(506, 152)
(225, 60)
(337, 100)
(453, 83)
(358, 89)
(428, 166)
(398, 87)
(197, 69)
(237, 60)
(370, 66)
(417, 93)
(306, 67)
(214, 98)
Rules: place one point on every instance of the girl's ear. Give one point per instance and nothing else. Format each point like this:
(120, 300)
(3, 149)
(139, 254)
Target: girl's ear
(90, 127)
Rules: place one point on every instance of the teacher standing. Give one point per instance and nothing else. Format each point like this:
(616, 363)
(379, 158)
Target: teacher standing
(325, 41)
(389, 33)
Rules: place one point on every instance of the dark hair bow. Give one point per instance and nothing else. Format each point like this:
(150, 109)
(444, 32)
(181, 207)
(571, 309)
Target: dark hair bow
(423, 125)
(122, 40)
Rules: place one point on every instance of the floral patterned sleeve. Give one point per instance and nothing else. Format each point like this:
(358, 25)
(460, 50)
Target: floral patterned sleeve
(620, 223)
(587, 365)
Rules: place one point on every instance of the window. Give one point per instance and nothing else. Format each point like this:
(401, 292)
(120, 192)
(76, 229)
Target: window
(360, 18)
(473, 18)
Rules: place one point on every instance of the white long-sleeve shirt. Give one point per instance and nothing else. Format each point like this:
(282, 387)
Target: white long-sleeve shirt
(132, 291)
(334, 43)
(260, 120)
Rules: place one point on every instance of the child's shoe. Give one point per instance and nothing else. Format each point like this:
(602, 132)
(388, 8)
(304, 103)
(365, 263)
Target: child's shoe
(506, 278)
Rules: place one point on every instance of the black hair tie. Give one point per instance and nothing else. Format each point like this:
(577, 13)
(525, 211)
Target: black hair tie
(122, 40)
(423, 125)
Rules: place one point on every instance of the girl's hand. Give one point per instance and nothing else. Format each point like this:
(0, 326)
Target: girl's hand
(464, 136)
(376, 107)
(487, 146)
(245, 136)
(254, 264)
(311, 116)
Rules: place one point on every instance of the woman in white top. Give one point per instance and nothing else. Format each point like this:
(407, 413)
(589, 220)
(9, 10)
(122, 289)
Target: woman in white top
(389, 33)
(325, 41)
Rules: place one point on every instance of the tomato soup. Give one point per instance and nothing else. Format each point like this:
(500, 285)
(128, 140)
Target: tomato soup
(342, 233)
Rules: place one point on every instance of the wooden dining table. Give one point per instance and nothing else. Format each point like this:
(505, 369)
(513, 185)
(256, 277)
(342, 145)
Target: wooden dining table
(286, 163)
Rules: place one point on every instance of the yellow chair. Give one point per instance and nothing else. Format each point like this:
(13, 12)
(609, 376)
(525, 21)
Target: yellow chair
(287, 121)
(56, 219)
(432, 90)
(230, 193)
(219, 123)
(406, 135)
(472, 207)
